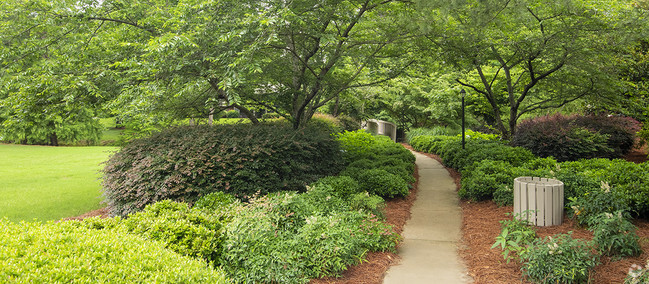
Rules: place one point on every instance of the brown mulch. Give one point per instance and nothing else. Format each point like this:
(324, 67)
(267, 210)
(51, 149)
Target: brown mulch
(480, 226)
(102, 213)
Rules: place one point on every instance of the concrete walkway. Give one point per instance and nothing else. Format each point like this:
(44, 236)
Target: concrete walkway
(429, 248)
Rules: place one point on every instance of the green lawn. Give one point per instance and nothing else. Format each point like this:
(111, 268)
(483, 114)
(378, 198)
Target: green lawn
(49, 183)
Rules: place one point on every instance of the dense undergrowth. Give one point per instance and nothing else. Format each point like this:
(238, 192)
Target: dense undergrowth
(203, 231)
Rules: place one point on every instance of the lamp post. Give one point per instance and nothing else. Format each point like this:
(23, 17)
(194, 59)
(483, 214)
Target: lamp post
(463, 93)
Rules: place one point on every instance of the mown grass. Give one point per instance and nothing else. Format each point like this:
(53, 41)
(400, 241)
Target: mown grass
(49, 183)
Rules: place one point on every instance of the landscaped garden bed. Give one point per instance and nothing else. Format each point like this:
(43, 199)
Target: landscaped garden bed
(596, 242)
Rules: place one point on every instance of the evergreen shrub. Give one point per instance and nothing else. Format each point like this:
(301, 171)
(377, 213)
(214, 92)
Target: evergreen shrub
(185, 163)
(382, 183)
(340, 185)
(68, 253)
(187, 231)
(290, 237)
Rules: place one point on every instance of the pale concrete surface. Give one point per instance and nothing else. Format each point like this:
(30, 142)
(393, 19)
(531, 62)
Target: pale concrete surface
(430, 238)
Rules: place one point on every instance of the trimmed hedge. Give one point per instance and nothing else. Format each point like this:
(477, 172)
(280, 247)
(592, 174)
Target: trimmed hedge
(495, 165)
(379, 165)
(476, 150)
(190, 232)
(184, 163)
(67, 253)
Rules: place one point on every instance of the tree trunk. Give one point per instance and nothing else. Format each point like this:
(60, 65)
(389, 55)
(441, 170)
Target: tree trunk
(54, 139)
(247, 112)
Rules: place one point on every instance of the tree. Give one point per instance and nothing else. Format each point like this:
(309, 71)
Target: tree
(49, 89)
(320, 49)
(523, 56)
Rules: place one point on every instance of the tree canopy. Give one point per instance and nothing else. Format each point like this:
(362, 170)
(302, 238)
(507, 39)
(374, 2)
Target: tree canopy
(65, 63)
(525, 55)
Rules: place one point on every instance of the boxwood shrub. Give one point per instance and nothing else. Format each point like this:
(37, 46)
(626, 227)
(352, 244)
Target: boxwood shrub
(379, 165)
(382, 183)
(184, 163)
(67, 253)
(191, 232)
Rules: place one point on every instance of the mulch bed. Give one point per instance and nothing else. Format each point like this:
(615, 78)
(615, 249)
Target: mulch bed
(480, 226)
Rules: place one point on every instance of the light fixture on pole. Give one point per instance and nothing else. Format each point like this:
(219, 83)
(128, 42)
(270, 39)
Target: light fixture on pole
(463, 93)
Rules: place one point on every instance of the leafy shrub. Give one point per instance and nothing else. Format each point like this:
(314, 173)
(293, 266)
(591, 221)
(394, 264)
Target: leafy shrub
(489, 177)
(587, 208)
(290, 237)
(621, 131)
(470, 134)
(569, 138)
(515, 237)
(637, 274)
(184, 163)
(356, 145)
(436, 131)
(366, 202)
(614, 235)
(576, 184)
(340, 185)
(559, 259)
(478, 150)
(348, 123)
(186, 231)
(190, 232)
(403, 172)
(504, 196)
(382, 183)
(215, 201)
(432, 144)
(629, 179)
(231, 114)
(363, 164)
(65, 253)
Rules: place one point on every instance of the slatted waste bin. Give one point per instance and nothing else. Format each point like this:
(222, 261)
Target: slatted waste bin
(539, 200)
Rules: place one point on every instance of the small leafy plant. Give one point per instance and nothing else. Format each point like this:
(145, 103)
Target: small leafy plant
(587, 208)
(637, 274)
(615, 235)
(559, 259)
(515, 238)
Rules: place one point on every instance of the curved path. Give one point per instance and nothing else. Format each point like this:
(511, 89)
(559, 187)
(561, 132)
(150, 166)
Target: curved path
(430, 238)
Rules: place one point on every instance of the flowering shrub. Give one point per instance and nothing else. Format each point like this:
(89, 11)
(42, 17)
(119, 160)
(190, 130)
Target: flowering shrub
(615, 236)
(587, 208)
(559, 259)
(637, 274)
